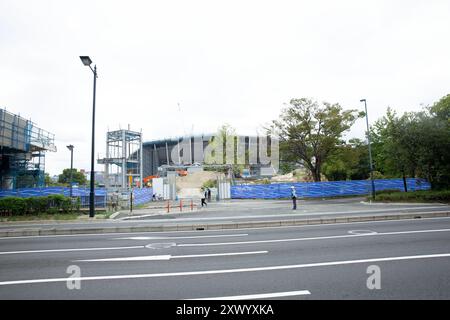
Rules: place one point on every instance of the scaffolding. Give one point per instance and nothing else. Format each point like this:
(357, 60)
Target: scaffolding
(123, 160)
(22, 152)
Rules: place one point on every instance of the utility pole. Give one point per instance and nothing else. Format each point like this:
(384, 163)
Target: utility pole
(87, 62)
(370, 150)
(70, 147)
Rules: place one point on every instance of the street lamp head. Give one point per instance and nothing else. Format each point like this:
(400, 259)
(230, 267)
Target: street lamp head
(86, 60)
(70, 147)
(362, 100)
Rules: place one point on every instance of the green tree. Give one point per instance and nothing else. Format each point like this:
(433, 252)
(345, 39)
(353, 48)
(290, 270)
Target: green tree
(310, 132)
(48, 180)
(441, 109)
(225, 134)
(348, 162)
(396, 146)
(77, 177)
(417, 144)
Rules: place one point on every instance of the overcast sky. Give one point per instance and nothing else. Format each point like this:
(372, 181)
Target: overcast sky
(233, 62)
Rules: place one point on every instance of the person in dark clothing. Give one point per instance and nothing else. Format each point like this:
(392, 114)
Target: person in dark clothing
(209, 195)
(294, 198)
(204, 198)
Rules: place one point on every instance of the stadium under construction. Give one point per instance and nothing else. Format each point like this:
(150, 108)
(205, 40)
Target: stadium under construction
(160, 156)
(129, 160)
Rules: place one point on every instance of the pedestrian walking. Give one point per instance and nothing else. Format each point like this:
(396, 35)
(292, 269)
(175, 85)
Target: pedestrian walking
(205, 195)
(209, 195)
(294, 198)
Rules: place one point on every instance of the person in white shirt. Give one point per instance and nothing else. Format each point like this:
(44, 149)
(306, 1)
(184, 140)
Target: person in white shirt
(294, 198)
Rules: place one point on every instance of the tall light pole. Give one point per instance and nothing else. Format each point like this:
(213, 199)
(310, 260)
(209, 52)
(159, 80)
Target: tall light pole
(87, 62)
(370, 149)
(70, 147)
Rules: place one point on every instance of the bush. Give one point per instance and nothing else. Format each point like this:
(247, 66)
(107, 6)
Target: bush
(211, 183)
(13, 205)
(35, 205)
(416, 196)
(386, 191)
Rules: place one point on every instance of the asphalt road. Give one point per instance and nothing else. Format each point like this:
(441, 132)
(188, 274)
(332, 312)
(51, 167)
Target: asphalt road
(235, 211)
(301, 262)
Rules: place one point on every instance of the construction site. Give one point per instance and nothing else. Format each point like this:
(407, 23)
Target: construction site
(22, 152)
(172, 169)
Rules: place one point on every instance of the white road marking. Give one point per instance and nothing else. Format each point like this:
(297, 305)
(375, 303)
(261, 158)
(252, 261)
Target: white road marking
(187, 237)
(69, 250)
(362, 232)
(152, 246)
(159, 246)
(259, 296)
(224, 271)
(168, 257)
(308, 239)
(143, 258)
(425, 219)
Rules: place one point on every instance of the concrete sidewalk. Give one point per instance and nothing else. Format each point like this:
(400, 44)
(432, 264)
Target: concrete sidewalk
(205, 225)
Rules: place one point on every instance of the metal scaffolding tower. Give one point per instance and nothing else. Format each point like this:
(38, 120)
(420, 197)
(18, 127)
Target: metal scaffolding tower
(123, 160)
(22, 152)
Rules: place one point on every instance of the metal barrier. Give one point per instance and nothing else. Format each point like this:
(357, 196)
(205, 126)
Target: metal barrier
(183, 203)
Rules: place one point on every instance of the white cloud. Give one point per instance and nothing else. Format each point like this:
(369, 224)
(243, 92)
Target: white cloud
(227, 61)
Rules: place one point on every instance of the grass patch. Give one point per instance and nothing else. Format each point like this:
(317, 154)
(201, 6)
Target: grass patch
(442, 196)
(43, 216)
(81, 215)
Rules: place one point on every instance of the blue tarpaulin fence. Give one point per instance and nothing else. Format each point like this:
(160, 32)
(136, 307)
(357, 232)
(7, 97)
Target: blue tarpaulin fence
(324, 189)
(140, 195)
(82, 193)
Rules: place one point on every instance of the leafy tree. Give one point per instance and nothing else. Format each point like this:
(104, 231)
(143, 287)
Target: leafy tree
(77, 177)
(310, 132)
(441, 109)
(395, 144)
(286, 166)
(48, 180)
(417, 144)
(225, 134)
(348, 162)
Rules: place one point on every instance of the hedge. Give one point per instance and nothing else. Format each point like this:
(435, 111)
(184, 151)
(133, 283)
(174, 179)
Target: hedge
(416, 196)
(35, 205)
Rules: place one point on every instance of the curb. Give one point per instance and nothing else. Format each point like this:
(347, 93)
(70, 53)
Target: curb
(218, 226)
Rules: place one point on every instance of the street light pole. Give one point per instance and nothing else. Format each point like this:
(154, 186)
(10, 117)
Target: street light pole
(87, 62)
(370, 149)
(70, 147)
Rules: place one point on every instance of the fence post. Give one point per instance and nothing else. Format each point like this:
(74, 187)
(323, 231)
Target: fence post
(181, 205)
(168, 206)
(192, 205)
